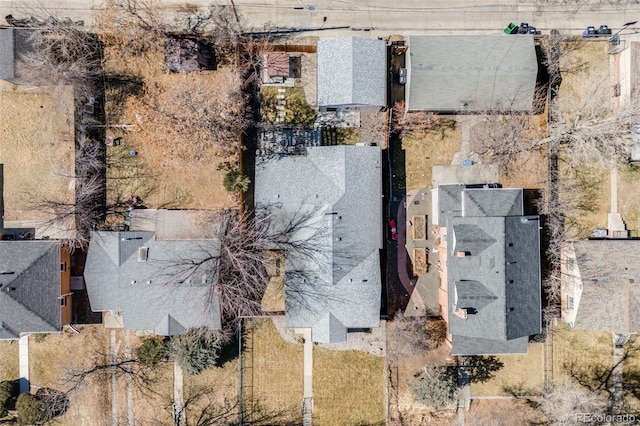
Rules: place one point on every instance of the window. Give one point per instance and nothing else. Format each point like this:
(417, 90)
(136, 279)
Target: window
(63, 301)
(63, 266)
(570, 302)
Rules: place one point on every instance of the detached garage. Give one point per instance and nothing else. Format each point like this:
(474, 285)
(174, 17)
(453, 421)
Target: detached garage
(471, 73)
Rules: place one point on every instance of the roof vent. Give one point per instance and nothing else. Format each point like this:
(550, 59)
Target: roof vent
(463, 253)
(134, 282)
(143, 254)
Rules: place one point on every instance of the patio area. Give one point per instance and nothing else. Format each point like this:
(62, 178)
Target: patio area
(420, 247)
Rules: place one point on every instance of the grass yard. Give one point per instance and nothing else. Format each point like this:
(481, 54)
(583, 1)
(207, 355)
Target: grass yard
(347, 135)
(159, 176)
(50, 354)
(629, 196)
(424, 150)
(277, 379)
(36, 148)
(296, 108)
(349, 388)
(581, 349)
(521, 374)
(9, 363)
(631, 372)
(588, 191)
(212, 392)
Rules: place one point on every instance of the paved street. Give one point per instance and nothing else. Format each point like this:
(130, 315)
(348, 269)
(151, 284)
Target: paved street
(372, 18)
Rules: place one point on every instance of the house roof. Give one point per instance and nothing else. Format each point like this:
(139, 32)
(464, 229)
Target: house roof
(30, 288)
(352, 71)
(278, 64)
(493, 270)
(340, 186)
(483, 72)
(7, 53)
(163, 293)
(609, 271)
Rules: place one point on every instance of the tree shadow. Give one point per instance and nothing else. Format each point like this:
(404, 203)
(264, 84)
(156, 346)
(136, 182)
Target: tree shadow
(479, 369)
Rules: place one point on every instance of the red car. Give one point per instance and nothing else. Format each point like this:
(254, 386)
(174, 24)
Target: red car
(394, 231)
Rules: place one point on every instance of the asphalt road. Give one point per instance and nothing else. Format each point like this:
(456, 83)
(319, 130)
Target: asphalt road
(372, 18)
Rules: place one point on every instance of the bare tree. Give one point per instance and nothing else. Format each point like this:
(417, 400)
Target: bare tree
(62, 54)
(189, 115)
(564, 403)
(241, 251)
(404, 122)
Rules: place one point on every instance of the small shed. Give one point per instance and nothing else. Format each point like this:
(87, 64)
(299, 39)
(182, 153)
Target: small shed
(187, 54)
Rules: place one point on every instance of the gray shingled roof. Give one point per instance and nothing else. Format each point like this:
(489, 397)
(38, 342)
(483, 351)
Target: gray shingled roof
(449, 201)
(483, 71)
(29, 295)
(352, 71)
(496, 277)
(7, 53)
(610, 275)
(160, 294)
(341, 186)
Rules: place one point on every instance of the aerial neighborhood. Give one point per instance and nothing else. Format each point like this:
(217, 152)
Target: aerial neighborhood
(319, 214)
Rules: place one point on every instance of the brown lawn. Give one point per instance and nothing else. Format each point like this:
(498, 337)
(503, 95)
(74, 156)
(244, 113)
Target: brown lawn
(348, 388)
(276, 382)
(521, 375)
(629, 196)
(424, 150)
(159, 176)
(581, 350)
(9, 363)
(50, 355)
(36, 147)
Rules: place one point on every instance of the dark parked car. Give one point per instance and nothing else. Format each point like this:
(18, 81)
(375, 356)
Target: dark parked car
(591, 31)
(402, 76)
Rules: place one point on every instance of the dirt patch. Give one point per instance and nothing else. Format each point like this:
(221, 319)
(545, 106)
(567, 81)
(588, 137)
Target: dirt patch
(503, 413)
(406, 362)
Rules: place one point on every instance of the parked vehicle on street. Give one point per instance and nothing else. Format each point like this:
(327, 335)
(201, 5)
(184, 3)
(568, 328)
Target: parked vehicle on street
(602, 31)
(402, 76)
(524, 28)
(394, 231)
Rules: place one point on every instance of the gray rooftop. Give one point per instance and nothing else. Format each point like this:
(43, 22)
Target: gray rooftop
(161, 293)
(485, 72)
(7, 53)
(29, 288)
(341, 186)
(352, 71)
(610, 276)
(493, 270)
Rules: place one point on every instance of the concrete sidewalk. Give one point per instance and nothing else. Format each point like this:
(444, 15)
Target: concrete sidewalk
(23, 351)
